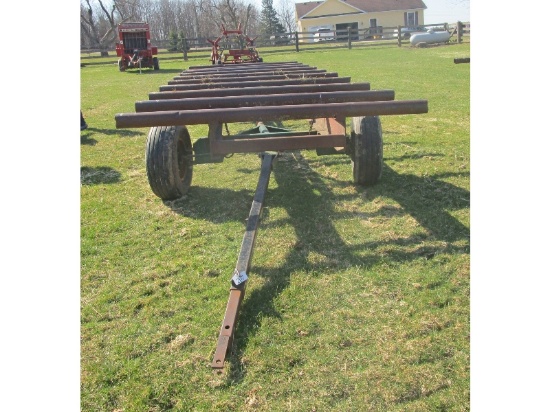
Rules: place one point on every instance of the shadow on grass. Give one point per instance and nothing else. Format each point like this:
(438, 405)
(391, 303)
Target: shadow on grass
(414, 156)
(213, 204)
(309, 203)
(98, 175)
(151, 71)
(85, 140)
(85, 136)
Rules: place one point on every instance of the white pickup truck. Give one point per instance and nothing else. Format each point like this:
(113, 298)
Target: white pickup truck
(324, 35)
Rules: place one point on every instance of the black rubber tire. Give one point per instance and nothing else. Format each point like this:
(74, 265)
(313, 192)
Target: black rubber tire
(155, 63)
(121, 67)
(169, 161)
(367, 150)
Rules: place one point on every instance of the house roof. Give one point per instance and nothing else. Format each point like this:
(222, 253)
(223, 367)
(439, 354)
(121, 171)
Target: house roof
(368, 6)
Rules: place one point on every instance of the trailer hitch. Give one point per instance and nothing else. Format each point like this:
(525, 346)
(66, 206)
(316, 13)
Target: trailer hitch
(240, 274)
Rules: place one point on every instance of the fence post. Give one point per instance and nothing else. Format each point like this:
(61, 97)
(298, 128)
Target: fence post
(349, 37)
(184, 42)
(296, 40)
(459, 32)
(399, 36)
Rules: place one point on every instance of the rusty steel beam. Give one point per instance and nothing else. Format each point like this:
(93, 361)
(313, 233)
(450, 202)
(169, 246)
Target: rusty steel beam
(305, 88)
(276, 144)
(264, 100)
(265, 113)
(251, 77)
(194, 74)
(240, 275)
(462, 60)
(255, 73)
(248, 67)
(258, 64)
(281, 82)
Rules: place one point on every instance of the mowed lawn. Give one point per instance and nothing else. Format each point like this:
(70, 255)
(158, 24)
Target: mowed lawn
(358, 298)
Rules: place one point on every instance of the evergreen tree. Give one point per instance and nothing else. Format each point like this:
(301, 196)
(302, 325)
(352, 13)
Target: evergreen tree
(173, 41)
(182, 42)
(269, 21)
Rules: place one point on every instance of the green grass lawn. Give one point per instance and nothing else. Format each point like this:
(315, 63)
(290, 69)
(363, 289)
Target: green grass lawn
(358, 298)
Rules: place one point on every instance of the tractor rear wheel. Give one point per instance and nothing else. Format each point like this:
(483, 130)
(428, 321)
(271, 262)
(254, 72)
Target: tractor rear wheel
(169, 161)
(155, 63)
(367, 150)
(121, 66)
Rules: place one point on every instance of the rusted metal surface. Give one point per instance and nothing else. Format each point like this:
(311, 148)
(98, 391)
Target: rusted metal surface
(251, 77)
(259, 90)
(236, 293)
(246, 73)
(264, 100)
(248, 66)
(330, 125)
(265, 113)
(280, 82)
(277, 144)
(462, 60)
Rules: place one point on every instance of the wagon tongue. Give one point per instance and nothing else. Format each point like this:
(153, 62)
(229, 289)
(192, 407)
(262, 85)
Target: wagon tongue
(240, 277)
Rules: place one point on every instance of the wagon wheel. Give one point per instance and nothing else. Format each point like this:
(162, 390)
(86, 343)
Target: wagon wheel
(121, 65)
(367, 150)
(169, 161)
(155, 63)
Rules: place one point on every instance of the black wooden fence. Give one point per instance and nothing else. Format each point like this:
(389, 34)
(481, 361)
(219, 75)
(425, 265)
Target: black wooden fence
(398, 35)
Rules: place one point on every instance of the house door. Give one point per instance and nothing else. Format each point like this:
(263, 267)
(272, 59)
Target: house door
(374, 31)
(342, 31)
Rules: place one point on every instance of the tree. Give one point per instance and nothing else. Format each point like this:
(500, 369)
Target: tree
(287, 13)
(98, 23)
(269, 21)
(195, 18)
(173, 42)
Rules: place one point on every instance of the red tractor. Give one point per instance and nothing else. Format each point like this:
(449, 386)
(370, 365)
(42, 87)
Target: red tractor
(134, 47)
(238, 46)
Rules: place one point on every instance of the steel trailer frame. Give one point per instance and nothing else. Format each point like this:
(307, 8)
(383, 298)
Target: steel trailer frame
(259, 93)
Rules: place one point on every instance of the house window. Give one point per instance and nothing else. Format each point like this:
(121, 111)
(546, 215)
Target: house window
(411, 19)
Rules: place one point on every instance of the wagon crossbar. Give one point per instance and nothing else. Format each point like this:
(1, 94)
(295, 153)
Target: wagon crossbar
(258, 90)
(268, 113)
(263, 100)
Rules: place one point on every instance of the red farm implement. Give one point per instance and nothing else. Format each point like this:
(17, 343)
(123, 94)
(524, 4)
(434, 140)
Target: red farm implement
(259, 93)
(134, 47)
(233, 46)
